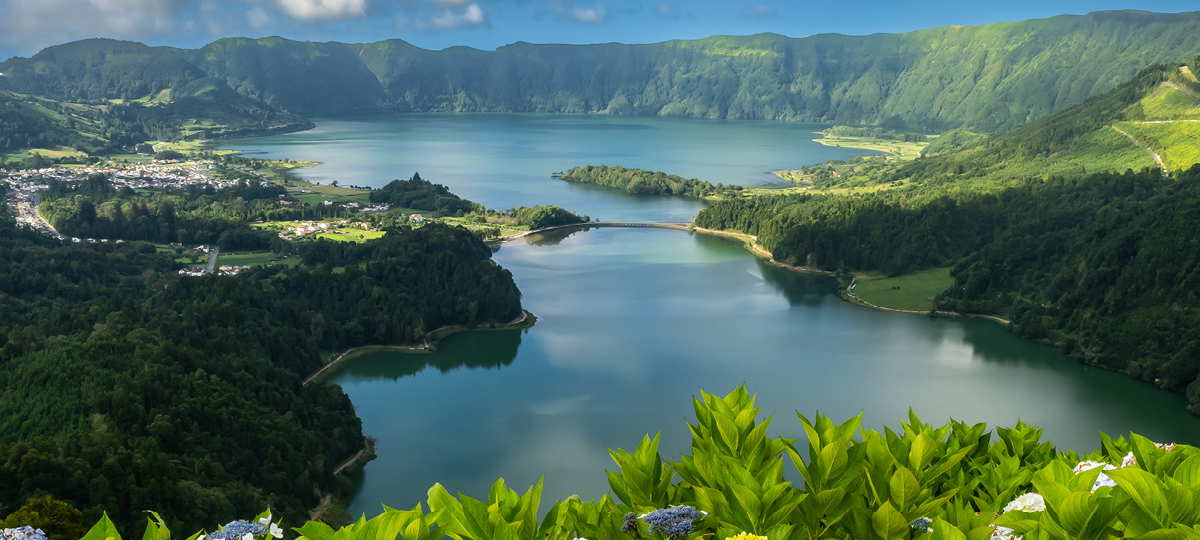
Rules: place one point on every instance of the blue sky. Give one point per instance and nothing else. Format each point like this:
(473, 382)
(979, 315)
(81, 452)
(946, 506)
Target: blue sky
(27, 26)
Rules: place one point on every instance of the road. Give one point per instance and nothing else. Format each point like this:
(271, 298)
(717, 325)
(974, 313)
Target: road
(212, 259)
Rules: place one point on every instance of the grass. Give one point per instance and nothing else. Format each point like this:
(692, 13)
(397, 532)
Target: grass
(912, 291)
(337, 234)
(55, 153)
(903, 151)
(1167, 103)
(1177, 143)
(253, 258)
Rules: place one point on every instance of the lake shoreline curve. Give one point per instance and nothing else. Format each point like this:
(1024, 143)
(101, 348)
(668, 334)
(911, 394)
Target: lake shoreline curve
(428, 345)
(847, 293)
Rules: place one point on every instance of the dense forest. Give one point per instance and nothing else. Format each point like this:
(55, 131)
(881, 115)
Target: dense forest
(986, 78)
(640, 182)
(129, 387)
(198, 215)
(416, 193)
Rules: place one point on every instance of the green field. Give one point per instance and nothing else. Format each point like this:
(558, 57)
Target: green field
(913, 291)
(1176, 143)
(901, 150)
(321, 194)
(252, 258)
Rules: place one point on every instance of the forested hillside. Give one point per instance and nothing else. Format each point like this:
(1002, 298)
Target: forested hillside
(128, 386)
(1047, 225)
(985, 78)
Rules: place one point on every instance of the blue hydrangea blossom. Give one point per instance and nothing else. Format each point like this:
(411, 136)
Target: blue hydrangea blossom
(22, 533)
(674, 522)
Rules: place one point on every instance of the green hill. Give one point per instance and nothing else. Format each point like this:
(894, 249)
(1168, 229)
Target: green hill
(984, 78)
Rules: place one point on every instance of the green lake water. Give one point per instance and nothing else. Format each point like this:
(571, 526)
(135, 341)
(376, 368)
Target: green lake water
(634, 322)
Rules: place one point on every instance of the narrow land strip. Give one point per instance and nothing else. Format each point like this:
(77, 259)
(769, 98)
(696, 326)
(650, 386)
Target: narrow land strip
(424, 346)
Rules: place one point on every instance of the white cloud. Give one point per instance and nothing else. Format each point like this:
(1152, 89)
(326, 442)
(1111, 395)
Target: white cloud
(665, 9)
(257, 18)
(313, 10)
(41, 23)
(759, 11)
(592, 15)
(472, 15)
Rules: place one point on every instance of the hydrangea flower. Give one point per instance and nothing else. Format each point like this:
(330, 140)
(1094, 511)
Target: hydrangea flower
(1103, 479)
(1165, 447)
(630, 525)
(1003, 533)
(245, 530)
(22, 533)
(1129, 460)
(675, 522)
(1089, 465)
(1029, 502)
(923, 524)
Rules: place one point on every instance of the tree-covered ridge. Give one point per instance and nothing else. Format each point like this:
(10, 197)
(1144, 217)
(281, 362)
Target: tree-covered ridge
(985, 78)
(642, 182)
(958, 481)
(420, 194)
(128, 386)
(1104, 266)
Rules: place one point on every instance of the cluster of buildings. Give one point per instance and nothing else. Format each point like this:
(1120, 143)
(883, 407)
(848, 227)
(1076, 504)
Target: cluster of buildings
(308, 228)
(224, 270)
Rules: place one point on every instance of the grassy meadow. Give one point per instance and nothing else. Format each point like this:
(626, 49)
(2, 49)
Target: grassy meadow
(913, 291)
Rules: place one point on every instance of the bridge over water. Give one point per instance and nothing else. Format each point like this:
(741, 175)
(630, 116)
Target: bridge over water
(630, 224)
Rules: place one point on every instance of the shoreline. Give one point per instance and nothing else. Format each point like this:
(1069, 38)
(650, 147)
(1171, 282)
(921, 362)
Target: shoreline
(427, 346)
(846, 294)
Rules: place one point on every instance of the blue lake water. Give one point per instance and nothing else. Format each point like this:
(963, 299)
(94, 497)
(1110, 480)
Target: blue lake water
(634, 322)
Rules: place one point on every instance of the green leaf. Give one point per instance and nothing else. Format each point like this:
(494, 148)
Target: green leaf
(922, 451)
(945, 531)
(103, 530)
(315, 530)
(888, 523)
(904, 489)
(1146, 493)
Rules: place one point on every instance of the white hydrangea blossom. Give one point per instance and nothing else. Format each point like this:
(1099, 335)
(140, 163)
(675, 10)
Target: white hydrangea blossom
(1003, 533)
(1129, 460)
(1029, 502)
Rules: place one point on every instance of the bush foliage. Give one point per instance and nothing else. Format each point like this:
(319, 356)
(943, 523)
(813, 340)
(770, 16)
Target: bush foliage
(953, 482)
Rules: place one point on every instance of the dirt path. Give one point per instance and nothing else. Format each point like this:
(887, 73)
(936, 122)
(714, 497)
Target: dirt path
(410, 348)
(1157, 159)
(1184, 90)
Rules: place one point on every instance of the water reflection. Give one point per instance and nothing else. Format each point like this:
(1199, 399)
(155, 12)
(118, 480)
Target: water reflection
(799, 288)
(496, 349)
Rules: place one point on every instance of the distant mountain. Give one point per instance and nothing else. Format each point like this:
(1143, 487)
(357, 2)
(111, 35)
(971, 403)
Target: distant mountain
(983, 78)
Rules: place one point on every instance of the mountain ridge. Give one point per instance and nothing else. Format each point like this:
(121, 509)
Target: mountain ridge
(985, 78)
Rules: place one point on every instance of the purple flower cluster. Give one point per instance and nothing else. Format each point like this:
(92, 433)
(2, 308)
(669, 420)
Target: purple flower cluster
(22, 533)
(675, 522)
(236, 530)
